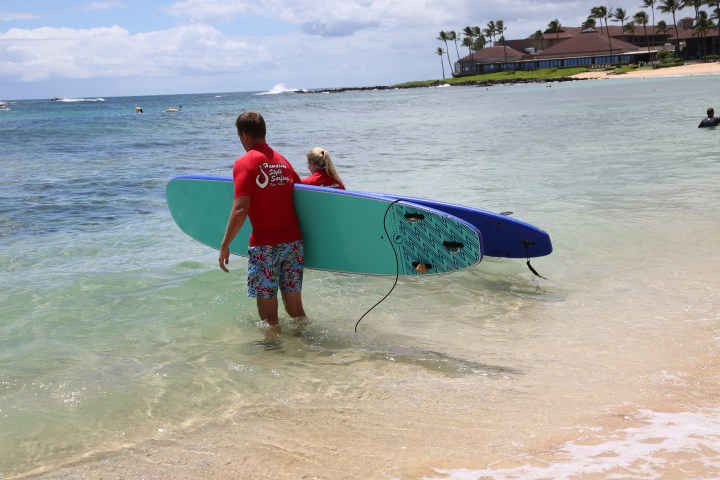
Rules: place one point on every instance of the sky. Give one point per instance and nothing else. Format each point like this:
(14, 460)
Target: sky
(104, 48)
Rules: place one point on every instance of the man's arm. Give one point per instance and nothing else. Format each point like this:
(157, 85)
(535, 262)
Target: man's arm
(235, 222)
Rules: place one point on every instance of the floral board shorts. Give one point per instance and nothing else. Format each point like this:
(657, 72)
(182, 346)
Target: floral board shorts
(275, 266)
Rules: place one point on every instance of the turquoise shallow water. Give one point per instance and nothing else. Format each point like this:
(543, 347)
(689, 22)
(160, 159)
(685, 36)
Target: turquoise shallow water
(117, 330)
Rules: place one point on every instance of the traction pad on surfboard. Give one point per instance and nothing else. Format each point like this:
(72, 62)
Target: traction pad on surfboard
(430, 239)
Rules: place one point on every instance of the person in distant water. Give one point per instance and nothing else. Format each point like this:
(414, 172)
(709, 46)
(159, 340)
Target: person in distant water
(264, 182)
(711, 120)
(322, 170)
(138, 110)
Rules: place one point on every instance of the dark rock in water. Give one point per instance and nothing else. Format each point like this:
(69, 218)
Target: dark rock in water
(349, 89)
(476, 83)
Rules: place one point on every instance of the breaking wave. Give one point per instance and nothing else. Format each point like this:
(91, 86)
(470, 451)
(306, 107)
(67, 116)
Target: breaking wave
(280, 88)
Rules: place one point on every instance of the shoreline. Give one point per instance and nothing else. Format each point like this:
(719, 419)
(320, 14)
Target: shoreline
(707, 68)
(440, 83)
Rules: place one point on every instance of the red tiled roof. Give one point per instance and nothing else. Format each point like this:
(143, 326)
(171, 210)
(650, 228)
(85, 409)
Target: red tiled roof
(494, 53)
(616, 31)
(588, 44)
(565, 32)
(687, 33)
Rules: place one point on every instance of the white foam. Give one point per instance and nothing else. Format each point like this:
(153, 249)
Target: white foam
(279, 88)
(73, 100)
(667, 440)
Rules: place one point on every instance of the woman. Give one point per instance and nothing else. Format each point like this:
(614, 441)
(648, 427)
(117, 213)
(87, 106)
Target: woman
(322, 170)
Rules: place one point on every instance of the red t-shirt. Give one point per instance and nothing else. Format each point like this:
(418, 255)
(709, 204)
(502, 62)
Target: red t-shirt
(268, 179)
(322, 179)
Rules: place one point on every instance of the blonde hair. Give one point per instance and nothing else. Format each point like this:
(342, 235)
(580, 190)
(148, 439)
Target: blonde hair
(321, 159)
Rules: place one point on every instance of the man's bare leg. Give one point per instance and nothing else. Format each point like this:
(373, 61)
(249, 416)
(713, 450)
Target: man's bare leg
(294, 308)
(268, 311)
(293, 304)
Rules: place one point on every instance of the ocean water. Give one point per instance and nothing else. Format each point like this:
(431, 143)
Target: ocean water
(125, 352)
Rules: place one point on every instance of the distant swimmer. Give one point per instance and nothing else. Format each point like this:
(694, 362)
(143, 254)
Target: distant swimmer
(171, 109)
(138, 110)
(711, 120)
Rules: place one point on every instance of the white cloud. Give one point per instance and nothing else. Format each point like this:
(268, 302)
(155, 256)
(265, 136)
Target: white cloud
(324, 17)
(333, 18)
(112, 52)
(10, 16)
(97, 6)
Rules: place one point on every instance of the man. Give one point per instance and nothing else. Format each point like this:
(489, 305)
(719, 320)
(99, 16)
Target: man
(711, 120)
(264, 182)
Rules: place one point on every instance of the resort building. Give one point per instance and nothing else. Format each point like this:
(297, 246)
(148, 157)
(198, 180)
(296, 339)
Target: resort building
(592, 47)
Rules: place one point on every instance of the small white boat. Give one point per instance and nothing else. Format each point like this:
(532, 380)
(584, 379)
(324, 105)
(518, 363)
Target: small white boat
(4, 107)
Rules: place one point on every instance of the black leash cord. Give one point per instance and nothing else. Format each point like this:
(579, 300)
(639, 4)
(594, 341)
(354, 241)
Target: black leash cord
(527, 252)
(397, 266)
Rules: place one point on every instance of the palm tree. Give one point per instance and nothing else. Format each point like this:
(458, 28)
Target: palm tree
(716, 16)
(588, 24)
(490, 31)
(479, 43)
(453, 36)
(620, 15)
(662, 29)
(444, 37)
(500, 30)
(702, 26)
(468, 42)
(602, 13)
(598, 13)
(696, 4)
(441, 52)
(555, 27)
(672, 6)
(540, 36)
(642, 19)
(701, 22)
(651, 5)
(630, 27)
(468, 36)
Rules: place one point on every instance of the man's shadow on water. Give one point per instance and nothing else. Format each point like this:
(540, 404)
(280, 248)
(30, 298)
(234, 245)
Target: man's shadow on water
(309, 342)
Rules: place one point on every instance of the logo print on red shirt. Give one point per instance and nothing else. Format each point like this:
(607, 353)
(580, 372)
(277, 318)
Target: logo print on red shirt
(266, 179)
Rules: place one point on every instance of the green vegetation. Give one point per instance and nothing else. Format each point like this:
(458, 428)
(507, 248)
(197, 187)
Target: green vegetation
(668, 59)
(543, 74)
(629, 68)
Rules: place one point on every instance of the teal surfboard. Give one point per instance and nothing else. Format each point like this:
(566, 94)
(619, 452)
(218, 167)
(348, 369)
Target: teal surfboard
(342, 231)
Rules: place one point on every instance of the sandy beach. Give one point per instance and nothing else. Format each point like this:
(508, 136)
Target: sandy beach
(682, 70)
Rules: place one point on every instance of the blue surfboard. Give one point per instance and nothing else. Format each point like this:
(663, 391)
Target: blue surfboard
(503, 236)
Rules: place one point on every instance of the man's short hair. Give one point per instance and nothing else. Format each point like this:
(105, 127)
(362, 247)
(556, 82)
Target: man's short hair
(710, 112)
(251, 123)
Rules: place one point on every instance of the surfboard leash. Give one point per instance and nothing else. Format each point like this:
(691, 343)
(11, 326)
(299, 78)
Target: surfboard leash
(534, 281)
(397, 265)
(527, 254)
